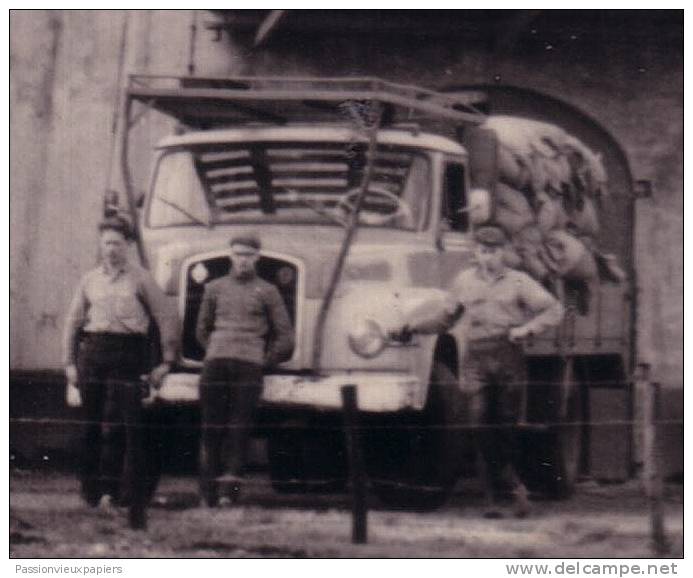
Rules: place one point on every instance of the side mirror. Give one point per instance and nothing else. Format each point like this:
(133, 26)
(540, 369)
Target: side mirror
(479, 206)
(110, 203)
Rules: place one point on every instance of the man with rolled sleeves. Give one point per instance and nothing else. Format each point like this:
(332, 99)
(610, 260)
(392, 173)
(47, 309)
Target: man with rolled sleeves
(245, 328)
(502, 307)
(106, 351)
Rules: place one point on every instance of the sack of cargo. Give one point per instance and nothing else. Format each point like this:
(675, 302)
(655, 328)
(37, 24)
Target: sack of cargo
(585, 218)
(512, 211)
(544, 157)
(609, 268)
(559, 173)
(511, 169)
(568, 256)
(550, 173)
(550, 213)
(528, 245)
(526, 136)
(533, 263)
(587, 167)
(512, 258)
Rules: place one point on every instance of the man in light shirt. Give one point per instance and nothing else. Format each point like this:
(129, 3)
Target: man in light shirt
(106, 351)
(502, 307)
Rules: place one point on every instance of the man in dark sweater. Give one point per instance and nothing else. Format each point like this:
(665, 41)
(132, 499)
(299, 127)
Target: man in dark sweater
(244, 326)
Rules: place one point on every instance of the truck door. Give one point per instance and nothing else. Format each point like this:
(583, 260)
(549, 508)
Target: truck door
(454, 235)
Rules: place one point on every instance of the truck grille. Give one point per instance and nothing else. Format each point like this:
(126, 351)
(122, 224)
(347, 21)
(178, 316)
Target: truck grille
(281, 273)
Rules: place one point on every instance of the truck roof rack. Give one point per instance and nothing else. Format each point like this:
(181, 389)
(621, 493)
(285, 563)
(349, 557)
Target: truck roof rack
(213, 102)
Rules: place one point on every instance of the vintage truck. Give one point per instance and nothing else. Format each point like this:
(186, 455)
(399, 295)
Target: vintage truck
(361, 192)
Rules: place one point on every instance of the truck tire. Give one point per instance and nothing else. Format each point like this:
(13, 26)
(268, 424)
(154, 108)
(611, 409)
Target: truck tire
(306, 459)
(552, 455)
(414, 461)
(284, 454)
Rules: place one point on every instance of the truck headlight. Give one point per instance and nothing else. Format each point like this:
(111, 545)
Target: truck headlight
(367, 338)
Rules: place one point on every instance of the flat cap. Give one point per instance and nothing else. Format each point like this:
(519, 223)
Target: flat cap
(491, 235)
(247, 240)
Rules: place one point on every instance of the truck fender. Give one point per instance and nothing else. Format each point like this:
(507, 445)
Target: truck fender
(444, 348)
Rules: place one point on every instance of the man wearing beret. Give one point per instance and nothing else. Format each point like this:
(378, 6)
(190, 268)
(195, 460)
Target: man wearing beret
(106, 351)
(245, 327)
(502, 307)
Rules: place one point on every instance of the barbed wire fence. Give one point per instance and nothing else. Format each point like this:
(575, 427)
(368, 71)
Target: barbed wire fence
(645, 424)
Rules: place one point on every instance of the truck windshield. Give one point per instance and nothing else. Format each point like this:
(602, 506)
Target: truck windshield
(300, 183)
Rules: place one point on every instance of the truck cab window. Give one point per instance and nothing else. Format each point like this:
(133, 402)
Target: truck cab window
(455, 198)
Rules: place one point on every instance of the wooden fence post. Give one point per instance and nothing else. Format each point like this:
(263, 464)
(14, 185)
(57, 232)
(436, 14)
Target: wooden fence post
(651, 470)
(641, 384)
(357, 470)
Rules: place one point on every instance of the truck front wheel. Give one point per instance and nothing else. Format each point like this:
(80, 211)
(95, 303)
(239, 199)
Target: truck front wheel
(307, 456)
(415, 460)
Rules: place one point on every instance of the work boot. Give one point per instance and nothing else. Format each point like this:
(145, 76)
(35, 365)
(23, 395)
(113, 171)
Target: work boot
(209, 489)
(107, 503)
(492, 510)
(521, 506)
(494, 513)
(137, 517)
(92, 499)
(91, 493)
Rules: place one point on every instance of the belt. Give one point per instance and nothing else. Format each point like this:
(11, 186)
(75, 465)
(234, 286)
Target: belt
(104, 336)
(489, 343)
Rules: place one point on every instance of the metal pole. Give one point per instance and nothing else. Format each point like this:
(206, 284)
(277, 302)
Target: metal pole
(117, 98)
(347, 241)
(127, 180)
(652, 479)
(357, 473)
(641, 378)
(193, 39)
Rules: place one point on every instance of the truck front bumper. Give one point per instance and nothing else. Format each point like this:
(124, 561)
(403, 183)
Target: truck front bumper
(376, 391)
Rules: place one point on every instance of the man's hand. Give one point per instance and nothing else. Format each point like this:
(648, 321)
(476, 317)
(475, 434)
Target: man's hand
(457, 313)
(72, 395)
(157, 374)
(403, 335)
(71, 375)
(517, 334)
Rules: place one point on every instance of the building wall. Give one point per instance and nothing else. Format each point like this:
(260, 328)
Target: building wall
(63, 91)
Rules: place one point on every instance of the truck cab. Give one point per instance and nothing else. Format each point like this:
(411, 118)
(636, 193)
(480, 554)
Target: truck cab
(295, 187)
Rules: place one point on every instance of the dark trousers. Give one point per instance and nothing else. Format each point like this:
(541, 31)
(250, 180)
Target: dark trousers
(229, 393)
(109, 369)
(495, 370)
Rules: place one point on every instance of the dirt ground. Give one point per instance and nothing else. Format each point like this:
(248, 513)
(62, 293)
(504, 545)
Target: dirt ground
(48, 520)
